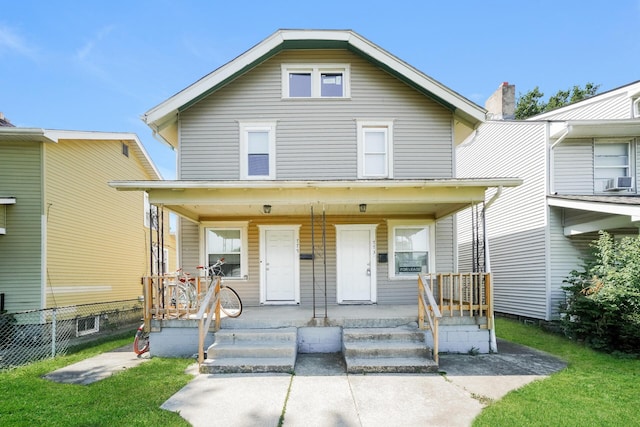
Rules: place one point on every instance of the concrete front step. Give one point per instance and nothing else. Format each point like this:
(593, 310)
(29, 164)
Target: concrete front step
(250, 350)
(403, 333)
(400, 349)
(248, 365)
(375, 349)
(398, 365)
(231, 336)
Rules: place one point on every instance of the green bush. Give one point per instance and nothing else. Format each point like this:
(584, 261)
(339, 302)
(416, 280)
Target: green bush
(603, 300)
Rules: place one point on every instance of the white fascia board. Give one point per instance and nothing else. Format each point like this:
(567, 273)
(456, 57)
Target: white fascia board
(183, 185)
(621, 221)
(596, 128)
(7, 200)
(171, 105)
(24, 134)
(420, 78)
(610, 208)
(157, 116)
(56, 135)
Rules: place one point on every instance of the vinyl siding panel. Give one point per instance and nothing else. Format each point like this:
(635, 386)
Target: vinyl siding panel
(516, 222)
(389, 291)
(21, 247)
(315, 138)
(566, 255)
(615, 106)
(573, 167)
(97, 242)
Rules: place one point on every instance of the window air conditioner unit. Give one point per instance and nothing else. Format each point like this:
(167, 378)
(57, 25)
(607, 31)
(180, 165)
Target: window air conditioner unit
(619, 183)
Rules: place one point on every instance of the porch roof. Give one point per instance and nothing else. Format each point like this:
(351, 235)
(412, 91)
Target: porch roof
(211, 200)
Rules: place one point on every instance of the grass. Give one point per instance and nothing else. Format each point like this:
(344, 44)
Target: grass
(132, 397)
(596, 389)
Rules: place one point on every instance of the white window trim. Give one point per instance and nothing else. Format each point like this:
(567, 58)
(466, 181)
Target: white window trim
(362, 126)
(246, 127)
(391, 262)
(630, 156)
(243, 226)
(315, 70)
(636, 108)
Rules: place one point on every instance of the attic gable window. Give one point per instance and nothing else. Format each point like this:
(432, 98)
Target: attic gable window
(315, 81)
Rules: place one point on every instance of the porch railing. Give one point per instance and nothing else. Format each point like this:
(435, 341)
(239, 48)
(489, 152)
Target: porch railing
(454, 295)
(160, 302)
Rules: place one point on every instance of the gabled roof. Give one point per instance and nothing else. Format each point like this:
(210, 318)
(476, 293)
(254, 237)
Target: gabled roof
(18, 134)
(163, 118)
(631, 90)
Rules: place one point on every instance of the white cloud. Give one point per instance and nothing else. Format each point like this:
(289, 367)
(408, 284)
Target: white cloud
(10, 41)
(88, 47)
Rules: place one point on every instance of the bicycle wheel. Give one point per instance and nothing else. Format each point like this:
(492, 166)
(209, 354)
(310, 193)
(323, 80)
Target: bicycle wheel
(230, 302)
(141, 342)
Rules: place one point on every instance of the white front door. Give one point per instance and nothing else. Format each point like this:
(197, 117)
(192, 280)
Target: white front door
(279, 265)
(355, 263)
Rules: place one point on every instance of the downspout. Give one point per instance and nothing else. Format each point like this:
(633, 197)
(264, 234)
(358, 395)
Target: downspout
(551, 171)
(493, 344)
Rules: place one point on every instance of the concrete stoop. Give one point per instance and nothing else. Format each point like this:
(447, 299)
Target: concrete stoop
(399, 349)
(252, 351)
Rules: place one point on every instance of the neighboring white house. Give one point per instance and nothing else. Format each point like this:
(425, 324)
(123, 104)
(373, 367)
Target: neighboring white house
(580, 169)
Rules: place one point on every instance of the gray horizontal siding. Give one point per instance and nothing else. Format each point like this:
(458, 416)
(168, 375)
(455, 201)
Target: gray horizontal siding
(315, 138)
(573, 167)
(389, 291)
(21, 247)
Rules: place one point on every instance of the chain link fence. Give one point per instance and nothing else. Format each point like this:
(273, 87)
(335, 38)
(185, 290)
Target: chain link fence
(33, 335)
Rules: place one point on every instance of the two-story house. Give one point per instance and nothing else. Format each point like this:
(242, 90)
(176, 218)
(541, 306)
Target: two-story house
(579, 164)
(66, 237)
(321, 167)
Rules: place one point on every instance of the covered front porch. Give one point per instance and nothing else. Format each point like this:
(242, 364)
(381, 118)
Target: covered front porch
(325, 257)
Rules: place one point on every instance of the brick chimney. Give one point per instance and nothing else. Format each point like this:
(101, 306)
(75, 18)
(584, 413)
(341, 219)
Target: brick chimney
(502, 104)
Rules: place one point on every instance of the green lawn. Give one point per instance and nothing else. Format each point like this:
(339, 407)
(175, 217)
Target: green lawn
(595, 390)
(131, 398)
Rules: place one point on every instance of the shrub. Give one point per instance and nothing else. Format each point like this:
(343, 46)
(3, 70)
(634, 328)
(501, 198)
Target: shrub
(603, 300)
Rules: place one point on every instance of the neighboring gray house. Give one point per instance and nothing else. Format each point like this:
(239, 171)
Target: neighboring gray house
(580, 169)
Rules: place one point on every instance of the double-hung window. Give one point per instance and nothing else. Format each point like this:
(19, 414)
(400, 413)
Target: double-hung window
(410, 246)
(611, 160)
(375, 149)
(228, 241)
(315, 81)
(257, 150)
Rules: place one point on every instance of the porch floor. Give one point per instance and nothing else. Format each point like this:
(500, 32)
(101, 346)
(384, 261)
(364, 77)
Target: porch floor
(280, 316)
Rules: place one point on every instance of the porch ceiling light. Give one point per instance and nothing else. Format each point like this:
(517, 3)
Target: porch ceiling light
(266, 209)
(363, 207)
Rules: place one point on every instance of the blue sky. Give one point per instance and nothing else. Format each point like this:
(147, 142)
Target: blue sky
(89, 65)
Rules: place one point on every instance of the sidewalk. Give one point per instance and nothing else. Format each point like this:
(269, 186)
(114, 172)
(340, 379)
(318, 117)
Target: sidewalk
(322, 394)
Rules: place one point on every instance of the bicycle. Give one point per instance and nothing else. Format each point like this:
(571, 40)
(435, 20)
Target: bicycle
(183, 296)
(230, 301)
(141, 341)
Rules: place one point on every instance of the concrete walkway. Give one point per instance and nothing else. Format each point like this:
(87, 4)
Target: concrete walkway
(321, 394)
(98, 367)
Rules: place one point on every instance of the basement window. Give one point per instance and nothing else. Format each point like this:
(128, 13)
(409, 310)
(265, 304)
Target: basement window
(87, 325)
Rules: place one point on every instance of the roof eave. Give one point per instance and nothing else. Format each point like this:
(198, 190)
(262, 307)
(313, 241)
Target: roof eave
(165, 114)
